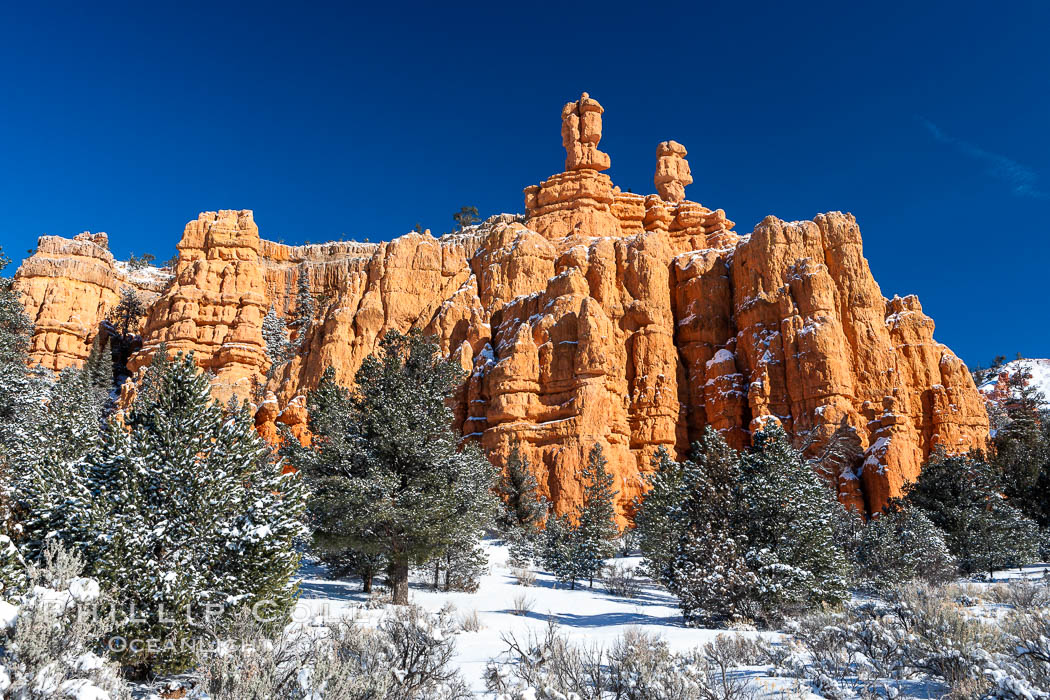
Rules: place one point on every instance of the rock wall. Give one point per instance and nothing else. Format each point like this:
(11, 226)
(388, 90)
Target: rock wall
(599, 317)
(68, 286)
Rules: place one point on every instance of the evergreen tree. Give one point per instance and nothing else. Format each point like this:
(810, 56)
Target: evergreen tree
(466, 216)
(123, 324)
(742, 536)
(522, 510)
(686, 525)
(963, 496)
(1022, 448)
(305, 307)
(786, 513)
(577, 544)
(596, 522)
(48, 462)
(902, 544)
(275, 335)
(185, 510)
(386, 473)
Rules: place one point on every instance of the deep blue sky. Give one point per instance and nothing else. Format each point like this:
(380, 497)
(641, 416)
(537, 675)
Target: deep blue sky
(928, 121)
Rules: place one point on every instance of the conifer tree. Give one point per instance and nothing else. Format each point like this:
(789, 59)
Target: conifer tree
(48, 477)
(1022, 448)
(184, 506)
(963, 496)
(305, 306)
(522, 510)
(275, 335)
(386, 472)
(742, 536)
(901, 544)
(577, 543)
(787, 514)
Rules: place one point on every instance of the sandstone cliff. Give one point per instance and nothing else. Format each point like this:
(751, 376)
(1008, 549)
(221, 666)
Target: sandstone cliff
(600, 316)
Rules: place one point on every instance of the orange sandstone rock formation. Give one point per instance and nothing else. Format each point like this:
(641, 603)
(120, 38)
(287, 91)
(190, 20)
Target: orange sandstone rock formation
(600, 316)
(68, 286)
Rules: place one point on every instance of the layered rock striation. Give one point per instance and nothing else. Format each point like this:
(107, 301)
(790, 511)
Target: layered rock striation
(599, 317)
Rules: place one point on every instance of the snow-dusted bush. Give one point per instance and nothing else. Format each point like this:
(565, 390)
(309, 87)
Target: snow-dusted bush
(638, 666)
(621, 580)
(921, 640)
(903, 545)
(524, 577)
(407, 657)
(50, 637)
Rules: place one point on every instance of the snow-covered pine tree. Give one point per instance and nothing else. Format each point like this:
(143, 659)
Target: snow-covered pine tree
(687, 526)
(185, 506)
(386, 472)
(786, 514)
(522, 509)
(305, 306)
(596, 520)
(1022, 448)
(901, 544)
(962, 495)
(275, 335)
(576, 544)
(48, 464)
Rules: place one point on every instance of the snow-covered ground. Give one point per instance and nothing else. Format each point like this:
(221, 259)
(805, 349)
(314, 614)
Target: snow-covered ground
(588, 616)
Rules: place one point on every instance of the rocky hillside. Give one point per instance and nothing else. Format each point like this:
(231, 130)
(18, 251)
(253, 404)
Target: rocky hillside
(599, 316)
(994, 382)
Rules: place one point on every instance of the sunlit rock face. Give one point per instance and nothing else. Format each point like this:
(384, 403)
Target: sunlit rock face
(600, 316)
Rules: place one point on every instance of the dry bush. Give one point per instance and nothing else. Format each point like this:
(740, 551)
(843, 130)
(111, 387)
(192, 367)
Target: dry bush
(407, 657)
(524, 577)
(470, 622)
(639, 666)
(622, 581)
(523, 604)
(56, 645)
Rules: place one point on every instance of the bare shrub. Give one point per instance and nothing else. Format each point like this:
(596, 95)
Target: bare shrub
(1022, 595)
(523, 604)
(408, 656)
(524, 577)
(622, 581)
(54, 647)
(470, 622)
(639, 666)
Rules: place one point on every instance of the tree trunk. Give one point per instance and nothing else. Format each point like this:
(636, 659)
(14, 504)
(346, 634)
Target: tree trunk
(366, 582)
(437, 573)
(398, 573)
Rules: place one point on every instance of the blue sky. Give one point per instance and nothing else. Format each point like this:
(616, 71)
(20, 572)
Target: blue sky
(928, 121)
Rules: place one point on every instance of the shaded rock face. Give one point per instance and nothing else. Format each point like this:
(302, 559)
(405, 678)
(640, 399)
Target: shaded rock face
(599, 317)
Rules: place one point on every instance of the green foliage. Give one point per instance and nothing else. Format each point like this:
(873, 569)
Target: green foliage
(386, 473)
(139, 263)
(742, 535)
(902, 545)
(183, 508)
(963, 496)
(576, 544)
(466, 216)
(522, 510)
(1022, 449)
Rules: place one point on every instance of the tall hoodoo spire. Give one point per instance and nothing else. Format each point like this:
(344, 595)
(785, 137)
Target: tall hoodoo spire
(672, 171)
(581, 130)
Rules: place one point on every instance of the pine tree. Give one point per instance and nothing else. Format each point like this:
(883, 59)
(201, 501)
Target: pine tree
(686, 525)
(963, 496)
(386, 472)
(742, 536)
(48, 477)
(576, 544)
(522, 510)
(466, 216)
(184, 508)
(901, 544)
(275, 335)
(305, 307)
(1022, 448)
(786, 513)
(596, 522)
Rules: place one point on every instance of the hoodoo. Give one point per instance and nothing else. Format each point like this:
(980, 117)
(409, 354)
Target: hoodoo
(599, 317)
